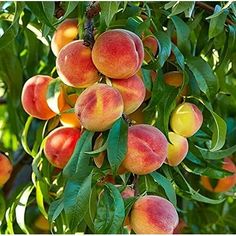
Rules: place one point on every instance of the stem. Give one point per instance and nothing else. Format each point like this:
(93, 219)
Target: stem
(92, 10)
(59, 11)
(211, 9)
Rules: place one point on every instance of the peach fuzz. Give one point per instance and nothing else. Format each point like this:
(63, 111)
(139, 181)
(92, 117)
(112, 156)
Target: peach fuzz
(225, 183)
(186, 119)
(153, 215)
(151, 43)
(98, 107)
(60, 145)
(34, 97)
(65, 33)
(132, 91)
(70, 119)
(177, 149)
(5, 169)
(147, 149)
(118, 53)
(75, 67)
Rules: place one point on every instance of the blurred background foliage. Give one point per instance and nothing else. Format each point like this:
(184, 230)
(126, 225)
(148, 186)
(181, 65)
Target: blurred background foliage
(205, 51)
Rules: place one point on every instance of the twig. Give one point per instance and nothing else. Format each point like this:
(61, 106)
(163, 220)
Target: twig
(211, 9)
(92, 10)
(59, 11)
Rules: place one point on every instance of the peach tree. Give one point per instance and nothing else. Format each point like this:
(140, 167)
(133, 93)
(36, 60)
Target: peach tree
(117, 117)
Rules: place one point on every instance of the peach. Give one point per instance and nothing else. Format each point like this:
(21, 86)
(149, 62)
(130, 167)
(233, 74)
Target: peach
(5, 169)
(98, 107)
(175, 79)
(225, 183)
(75, 67)
(177, 149)
(153, 215)
(66, 32)
(138, 115)
(34, 97)
(147, 149)
(118, 53)
(60, 145)
(41, 223)
(69, 119)
(180, 227)
(132, 91)
(186, 119)
(151, 43)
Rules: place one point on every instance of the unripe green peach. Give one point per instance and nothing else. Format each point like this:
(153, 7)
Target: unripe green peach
(132, 91)
(66, 32)
(153, 215)
(75, 67)
(60, 145)
(147, 149)
(5, 169)
(118, 53)
(177, 149)
(186, 119)
(98, 107)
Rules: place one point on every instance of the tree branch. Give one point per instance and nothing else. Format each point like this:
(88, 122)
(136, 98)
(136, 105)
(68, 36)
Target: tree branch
(211, 9)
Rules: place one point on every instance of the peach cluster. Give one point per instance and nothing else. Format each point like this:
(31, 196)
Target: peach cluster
(185, 121)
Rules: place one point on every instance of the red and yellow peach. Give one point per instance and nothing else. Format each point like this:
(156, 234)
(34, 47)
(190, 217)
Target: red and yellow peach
(60, 145)
(75, 67)
(5, 169)
(98, 107)
(147, 149)
(118, 53)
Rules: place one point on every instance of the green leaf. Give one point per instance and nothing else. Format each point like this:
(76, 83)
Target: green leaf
(110, 211)
(117, 144)
(55, 209)
(181, 6)
(203, 75)
(53, 93)
(2, 207)
(21, 208)
(217, 23)
(49, 10)
(108, 10)
(78, 167)
(40, 197)
(164, 46)
(193, 194)
(13, 29)
(183, 34)
(76, 200)
(166, 185)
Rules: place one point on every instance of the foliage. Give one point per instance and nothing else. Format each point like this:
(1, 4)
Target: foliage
(205, 51)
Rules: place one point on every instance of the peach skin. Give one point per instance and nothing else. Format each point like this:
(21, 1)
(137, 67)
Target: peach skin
(5, 169)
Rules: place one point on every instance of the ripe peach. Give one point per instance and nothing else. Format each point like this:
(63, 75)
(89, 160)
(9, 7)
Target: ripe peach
(175, 78)
(66, 32)
(132, 91)
(60, 144)
(225, 183)
(99, 106)
(151, 43)
(70, 119)
(75, 67)
(5, 169)
(34, 97)
(118, 53)
(153, 215)
(42, 223)
(138, 115)
(177, 149)
(186, 119)
(147, 149)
